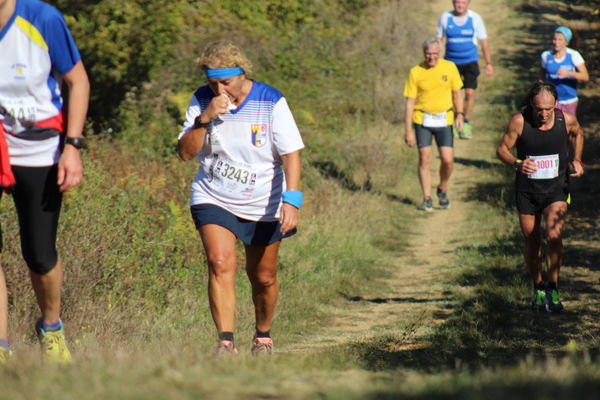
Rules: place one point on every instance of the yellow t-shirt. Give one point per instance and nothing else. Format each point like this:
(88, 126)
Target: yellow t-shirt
(432, 88)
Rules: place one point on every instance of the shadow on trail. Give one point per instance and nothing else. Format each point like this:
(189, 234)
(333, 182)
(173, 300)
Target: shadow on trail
(388, 300)
(481, 164)
(331, 171)
(493, 325)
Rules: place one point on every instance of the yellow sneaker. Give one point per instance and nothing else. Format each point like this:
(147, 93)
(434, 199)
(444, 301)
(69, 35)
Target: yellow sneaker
(53, 345)
(5, 355)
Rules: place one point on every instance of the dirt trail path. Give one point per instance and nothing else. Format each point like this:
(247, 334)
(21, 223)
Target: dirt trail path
(417, 296)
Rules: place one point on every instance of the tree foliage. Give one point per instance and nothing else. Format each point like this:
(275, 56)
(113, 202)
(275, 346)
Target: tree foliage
(123, 44)
(143, 52)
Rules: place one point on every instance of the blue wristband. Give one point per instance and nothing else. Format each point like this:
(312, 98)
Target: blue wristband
(293, 197)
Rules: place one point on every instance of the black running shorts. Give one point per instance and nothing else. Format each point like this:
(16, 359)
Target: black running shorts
(535, 203)
(469, 73)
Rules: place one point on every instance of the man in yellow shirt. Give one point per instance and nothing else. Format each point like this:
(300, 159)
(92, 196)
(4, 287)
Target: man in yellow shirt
(433, 97)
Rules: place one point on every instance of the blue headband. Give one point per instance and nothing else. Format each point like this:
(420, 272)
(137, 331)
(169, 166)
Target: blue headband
(223, 72)
(566, 32)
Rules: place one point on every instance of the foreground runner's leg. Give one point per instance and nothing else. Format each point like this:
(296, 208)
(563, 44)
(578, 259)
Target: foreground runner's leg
(261, 267)
(425, 177)
(467, 132)
(446, 168)
(5, 352)
(530, 227)
(219, 245)
(555, 215)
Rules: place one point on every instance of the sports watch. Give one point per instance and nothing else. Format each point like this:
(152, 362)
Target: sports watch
(78, 143)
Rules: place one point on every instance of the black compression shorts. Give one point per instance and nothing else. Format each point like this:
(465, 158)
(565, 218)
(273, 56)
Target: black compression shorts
(38, 200)
(443, 136)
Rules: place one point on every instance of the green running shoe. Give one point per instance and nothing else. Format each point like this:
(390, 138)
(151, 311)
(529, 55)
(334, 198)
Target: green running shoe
(539, 299)
(467, 132)
(455, 132)
(553, 303)
(5, 355)
(53, 345)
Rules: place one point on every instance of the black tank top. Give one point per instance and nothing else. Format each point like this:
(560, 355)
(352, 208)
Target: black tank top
(552, 144)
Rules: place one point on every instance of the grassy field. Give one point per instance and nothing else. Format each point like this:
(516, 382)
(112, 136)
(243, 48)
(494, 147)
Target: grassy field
(136, 310)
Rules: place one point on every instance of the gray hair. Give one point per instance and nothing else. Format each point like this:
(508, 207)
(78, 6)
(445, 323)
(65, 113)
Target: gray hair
(430, 43)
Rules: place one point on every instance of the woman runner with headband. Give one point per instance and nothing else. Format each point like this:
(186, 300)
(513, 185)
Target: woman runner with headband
(242, 132)
(564, 67)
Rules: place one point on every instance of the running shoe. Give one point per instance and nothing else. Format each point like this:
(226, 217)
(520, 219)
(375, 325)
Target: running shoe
(53, 345)
(455, 131)
(467, 132)
(553, 303)
(225, 348)
(443, 198)
(539, 299)
(427, 205)
(5, 355)
(262, 346)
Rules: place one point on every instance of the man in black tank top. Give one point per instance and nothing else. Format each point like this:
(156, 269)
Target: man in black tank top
(549, 145)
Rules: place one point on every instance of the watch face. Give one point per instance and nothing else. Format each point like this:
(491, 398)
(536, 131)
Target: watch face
(78, 143)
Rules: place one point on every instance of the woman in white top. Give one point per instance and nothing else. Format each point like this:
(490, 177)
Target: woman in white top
(564, 67)
(243, 133)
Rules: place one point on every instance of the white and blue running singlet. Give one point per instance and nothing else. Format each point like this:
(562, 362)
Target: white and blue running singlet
(461, 40)
(566, 87)
(36, 49)
(241, 161)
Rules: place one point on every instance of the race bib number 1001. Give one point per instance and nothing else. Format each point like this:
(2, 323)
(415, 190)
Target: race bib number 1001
(547, 167)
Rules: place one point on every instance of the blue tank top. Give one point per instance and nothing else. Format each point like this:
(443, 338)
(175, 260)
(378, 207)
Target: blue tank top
(460, 46)
(565, 87)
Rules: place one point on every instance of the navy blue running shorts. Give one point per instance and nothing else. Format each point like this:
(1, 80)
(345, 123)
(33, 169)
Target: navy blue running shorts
(535, 203)
(254, 233)
(443, 136)
(469, 73)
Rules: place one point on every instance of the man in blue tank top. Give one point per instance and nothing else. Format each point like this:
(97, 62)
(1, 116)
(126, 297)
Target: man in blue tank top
(461, 29)
(549, 144)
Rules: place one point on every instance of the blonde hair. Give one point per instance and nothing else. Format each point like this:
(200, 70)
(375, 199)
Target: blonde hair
(224, 54)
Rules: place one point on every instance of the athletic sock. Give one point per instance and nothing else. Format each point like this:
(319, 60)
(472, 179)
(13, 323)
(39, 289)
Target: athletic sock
(552, 285)
(226, 336)
(540, 286)
(266, 334)
(57, 326)
(4, 343)
(466, 121)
